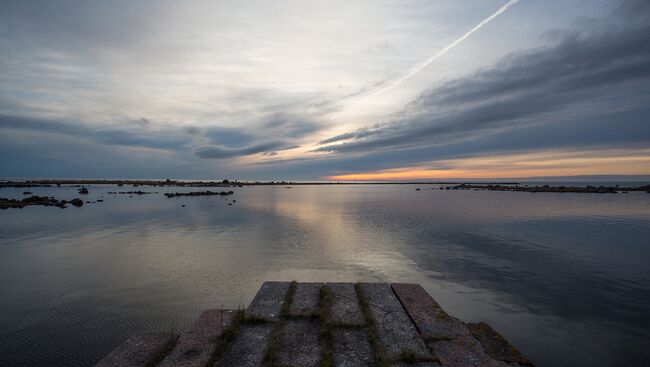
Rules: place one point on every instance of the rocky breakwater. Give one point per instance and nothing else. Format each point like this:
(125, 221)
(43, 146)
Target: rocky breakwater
(38, 200)
(548, 188)
(138, 192)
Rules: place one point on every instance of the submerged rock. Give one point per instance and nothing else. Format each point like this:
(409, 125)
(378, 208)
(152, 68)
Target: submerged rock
(77, 202)
(198, 193)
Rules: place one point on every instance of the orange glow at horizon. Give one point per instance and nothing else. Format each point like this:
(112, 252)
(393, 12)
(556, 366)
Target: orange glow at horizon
(548, 163)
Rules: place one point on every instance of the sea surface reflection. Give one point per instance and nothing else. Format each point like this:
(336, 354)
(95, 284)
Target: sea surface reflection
(565, 277)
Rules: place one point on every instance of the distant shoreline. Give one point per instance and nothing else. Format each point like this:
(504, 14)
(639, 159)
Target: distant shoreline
(6, 203)
(222, 183)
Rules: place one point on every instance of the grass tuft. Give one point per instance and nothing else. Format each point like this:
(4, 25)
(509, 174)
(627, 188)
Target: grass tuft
(373, 334)
(408, 356)
(255, 319)
(271, 356)
(227, 337)
(326, 335)
(164, 350)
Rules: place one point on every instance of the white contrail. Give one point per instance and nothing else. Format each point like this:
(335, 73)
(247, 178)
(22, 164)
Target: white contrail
(414, 70)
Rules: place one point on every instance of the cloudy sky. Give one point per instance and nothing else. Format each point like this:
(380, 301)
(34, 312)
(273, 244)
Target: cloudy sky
(313, 90)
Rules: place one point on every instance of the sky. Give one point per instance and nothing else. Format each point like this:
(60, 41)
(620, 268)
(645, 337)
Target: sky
(325, 90)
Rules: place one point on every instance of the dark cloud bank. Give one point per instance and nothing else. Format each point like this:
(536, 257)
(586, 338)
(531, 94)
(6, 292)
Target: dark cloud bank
(583, 78)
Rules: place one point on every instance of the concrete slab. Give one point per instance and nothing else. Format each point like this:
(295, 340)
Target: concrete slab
(196, 345)
(352, 348)
(496, 346)
(305, 300)
(249, 347)
(409, 325)
(345, 305)
(396, 331)
(268, 301)
(448, 338)
(138, 350)
(461, 353)
(430, 319)
(300, 344)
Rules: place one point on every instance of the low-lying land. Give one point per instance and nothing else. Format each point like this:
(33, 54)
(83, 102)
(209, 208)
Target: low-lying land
(548, 188)
(222, 183)
(198, 193)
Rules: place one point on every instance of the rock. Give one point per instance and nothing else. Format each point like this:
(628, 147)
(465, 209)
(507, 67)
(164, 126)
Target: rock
(83, 190)
(77, 202)
(198, 193)
(27, 193)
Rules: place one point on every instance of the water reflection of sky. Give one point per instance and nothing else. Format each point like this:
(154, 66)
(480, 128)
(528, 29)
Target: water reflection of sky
(564, 276)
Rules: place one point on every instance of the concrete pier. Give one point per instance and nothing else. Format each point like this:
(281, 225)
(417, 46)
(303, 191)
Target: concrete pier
(325, 324)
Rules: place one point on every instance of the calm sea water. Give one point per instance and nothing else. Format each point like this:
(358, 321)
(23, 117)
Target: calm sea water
(565, 277)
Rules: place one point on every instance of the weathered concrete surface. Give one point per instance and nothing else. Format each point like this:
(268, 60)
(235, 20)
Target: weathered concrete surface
(196, 344)
(352, 348)
(396, 331)
(249, 347)
(430, 319)
(496, 346)
(345, 305)
(300, 344)
(305, 300)
(411, 330)
(268, 301)
(461, 353)
(447, 338)
(138, 350)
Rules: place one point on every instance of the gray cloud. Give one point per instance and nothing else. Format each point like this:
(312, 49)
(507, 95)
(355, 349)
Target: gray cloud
(584, 76)
(635, 9)
(221, 152)
(134, 134)
(359, 134)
